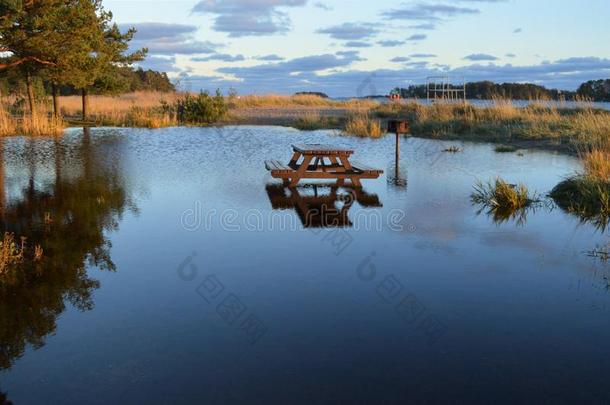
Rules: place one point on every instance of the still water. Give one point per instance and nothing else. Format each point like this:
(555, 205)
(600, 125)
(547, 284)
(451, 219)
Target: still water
(176, 270)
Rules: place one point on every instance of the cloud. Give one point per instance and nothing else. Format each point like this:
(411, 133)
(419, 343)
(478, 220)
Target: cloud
(517, 31)
(156, 30)
(240, 18)
(314, 63)
(303, 74)
(270, 58)
(423, 55)
(168, 39)
(159, 63)
(511, 55)
(417, 37)
(354, 56)
(477, 57)
(220, 57)
(417, 64)
(323, 6)
(357, 44)
(390, 43)
(424, 26)
(350, 31)
(399, 59)
(427, 12)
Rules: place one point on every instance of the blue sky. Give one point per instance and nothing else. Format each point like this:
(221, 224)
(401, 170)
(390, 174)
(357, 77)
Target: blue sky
(357, 48)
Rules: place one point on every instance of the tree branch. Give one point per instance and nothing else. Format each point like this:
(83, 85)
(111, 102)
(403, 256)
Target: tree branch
(23, 60)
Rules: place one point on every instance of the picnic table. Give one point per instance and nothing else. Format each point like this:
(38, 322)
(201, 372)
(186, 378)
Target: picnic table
(317, 161)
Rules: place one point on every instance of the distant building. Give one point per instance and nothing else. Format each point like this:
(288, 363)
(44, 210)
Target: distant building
(394, 95)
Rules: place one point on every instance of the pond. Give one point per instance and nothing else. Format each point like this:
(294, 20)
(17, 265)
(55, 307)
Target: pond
(176, 270)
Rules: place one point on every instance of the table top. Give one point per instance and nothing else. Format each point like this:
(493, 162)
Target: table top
(320, 149)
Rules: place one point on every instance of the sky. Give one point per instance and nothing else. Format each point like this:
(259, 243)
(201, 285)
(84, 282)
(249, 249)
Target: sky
(360, 48)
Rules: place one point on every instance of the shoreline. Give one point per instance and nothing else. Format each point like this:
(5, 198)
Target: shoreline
(532, 127)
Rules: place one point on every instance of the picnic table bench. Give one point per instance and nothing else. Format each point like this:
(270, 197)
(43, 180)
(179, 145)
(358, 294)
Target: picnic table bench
(317, 161)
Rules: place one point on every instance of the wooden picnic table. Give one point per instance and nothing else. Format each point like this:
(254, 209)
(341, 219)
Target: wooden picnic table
(318, 161)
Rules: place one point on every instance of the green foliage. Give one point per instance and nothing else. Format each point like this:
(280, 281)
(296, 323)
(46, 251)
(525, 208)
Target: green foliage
(200, 109)
(596, 90)
(125, 79)
(71, 42)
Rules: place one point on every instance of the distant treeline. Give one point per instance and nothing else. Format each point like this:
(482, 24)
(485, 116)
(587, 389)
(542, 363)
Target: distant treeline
(311, 93)
(122, 80)
(595, 90)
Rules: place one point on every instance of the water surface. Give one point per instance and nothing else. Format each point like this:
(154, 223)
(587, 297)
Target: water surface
(177, 271)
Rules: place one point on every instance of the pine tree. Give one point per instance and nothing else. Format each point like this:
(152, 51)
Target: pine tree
(25, 33)
(71, 42)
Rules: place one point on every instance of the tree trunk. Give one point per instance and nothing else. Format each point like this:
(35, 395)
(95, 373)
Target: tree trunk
(55, 100)
(30, 90)
(85, 104)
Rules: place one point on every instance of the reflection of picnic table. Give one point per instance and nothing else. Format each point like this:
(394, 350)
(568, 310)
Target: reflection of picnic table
(315, 161)
(317, 208)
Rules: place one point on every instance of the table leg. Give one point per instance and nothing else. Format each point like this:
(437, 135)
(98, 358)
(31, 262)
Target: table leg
(295, 158)
(301, 171)
(348, 168)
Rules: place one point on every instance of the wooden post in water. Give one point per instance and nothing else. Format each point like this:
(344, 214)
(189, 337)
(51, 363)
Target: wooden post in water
(399, 127)
(397, 152)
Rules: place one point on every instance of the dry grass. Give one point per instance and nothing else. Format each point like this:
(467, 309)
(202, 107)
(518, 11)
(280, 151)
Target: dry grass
(278, 101)
(41, 123)
(363, 125)
(587, 195)
(503, 121)
(115, 106)
(148, 118)
(314, 121)
(596, 163)
(8, 125)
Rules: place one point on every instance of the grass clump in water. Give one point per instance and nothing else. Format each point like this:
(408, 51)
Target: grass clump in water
(503, 201)
(452, 149)
(363, 125)
(505, 149)
(586, 197)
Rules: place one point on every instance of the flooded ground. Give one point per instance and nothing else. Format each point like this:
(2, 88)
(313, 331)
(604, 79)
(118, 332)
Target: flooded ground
(176, 270)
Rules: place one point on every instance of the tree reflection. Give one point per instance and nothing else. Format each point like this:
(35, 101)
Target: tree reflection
(69, 219)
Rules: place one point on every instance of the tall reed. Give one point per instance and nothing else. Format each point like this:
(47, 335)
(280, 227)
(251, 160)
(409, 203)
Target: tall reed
(363, 125)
